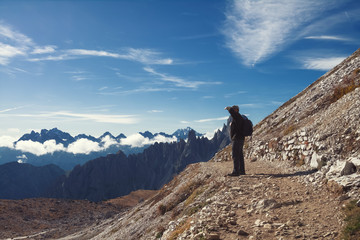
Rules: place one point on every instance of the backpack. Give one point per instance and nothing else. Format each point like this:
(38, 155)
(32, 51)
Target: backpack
(247, 128)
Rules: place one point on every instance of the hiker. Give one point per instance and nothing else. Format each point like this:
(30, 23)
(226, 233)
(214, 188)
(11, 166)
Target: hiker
(237, 139)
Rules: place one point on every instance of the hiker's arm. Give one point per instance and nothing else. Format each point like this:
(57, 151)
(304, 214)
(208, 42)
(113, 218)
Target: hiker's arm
(236, 116)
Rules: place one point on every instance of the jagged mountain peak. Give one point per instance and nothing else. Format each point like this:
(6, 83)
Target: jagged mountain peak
(183, 133)
(107, 134)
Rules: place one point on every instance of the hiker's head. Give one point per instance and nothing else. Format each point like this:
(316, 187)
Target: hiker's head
(236, 108)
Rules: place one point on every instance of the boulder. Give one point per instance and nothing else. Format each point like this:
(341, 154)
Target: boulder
(349, 169)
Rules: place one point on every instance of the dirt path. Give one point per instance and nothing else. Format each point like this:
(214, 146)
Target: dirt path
(270, 203)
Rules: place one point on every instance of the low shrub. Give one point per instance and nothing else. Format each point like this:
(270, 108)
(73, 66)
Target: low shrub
(352, 228)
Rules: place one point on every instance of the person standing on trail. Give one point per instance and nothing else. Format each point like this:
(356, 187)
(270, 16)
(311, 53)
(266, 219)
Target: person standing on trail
(237, 140)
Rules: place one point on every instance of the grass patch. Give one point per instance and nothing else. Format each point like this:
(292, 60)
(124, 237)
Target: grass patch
(352, 227)
(182, 227)
(349, 84)
(289, 130)
(195, 209)
(342, 90)
(194, 195)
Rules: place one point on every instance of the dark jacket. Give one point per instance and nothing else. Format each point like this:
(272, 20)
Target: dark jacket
(236, 125)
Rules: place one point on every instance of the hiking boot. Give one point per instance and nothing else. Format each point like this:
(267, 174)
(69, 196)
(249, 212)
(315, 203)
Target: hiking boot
(233, 174)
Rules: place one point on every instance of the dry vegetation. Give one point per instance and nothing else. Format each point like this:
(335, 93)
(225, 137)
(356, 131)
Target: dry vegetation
(352, 228)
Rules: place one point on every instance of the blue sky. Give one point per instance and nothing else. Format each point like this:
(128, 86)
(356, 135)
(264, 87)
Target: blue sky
(130, 66)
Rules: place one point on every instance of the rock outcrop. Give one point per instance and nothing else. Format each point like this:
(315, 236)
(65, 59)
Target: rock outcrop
(317, 129)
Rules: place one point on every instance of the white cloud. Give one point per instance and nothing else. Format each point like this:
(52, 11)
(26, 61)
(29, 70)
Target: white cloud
(137, 140)
(103, 118)
(322, 64)
(22, 158)
(179, 82)
(38, 148)
(163, 139)
(136, 91)
(325, 37)
(255, 30)
(107, 141)
(210, 135)
(184, 122)
(103, 88)
(7, 141)
(15, 43)
(7, 52)
(229, 95)
(9, 109)
(145, 56)
(96, 53)
(155, 111)
(7, 33)
(12, 44)
(211, 119)
(44, 49)
(83, 146)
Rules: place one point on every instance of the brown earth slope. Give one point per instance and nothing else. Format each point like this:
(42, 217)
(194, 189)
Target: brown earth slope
(42, 218)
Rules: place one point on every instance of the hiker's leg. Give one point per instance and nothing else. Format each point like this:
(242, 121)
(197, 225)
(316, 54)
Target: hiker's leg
(236, 155)
(241, 157)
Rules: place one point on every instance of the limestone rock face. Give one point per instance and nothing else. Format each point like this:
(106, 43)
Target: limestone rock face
(318, 128)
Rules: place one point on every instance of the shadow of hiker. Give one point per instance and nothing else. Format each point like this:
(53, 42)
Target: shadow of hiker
(283, 175)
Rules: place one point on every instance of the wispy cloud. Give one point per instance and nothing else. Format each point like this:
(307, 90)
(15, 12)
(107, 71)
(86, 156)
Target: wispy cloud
(325, 37)
(321, 64)
(14, 43)
(198, 36)
(145, 56)
(7, 52)
(155, 111)
(229, 95)
(255, 30)
(102, 118)
(177, 81)
(6, 32)
(135, 91)
(211, 119)
(9, 109)
(44, 49)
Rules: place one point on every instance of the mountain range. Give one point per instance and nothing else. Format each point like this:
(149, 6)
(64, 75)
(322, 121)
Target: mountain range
(112, 175)
(60, 148)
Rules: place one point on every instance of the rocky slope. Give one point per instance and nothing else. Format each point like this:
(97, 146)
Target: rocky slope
(318, 128)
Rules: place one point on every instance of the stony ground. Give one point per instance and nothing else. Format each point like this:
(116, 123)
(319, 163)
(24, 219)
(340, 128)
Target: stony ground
(270, 203)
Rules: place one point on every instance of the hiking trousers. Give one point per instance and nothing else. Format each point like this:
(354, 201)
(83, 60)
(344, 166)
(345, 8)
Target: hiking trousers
(238, 156)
